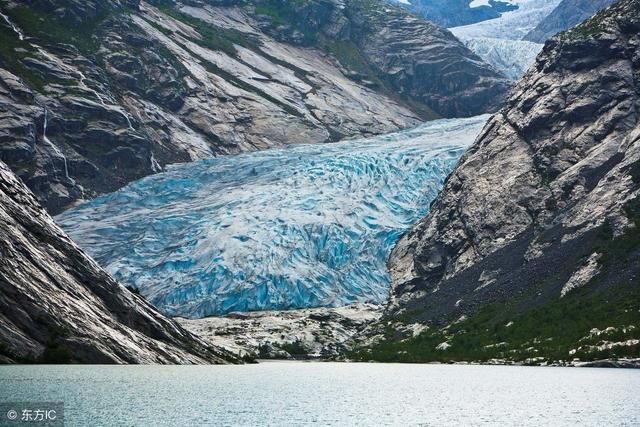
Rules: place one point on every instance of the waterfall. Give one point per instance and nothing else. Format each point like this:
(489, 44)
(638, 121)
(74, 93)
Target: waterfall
(84, 86)
(55, 149)
(120, 110)
(155, 166)
(81, 83)
(13, 26)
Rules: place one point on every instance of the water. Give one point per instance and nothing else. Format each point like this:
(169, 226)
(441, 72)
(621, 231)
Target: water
(302, 226)
(13, 26)
(54, 147)
(330, 394)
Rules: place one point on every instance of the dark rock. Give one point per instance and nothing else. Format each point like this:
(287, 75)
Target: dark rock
(56, 300)
(568, 14)
(129, 88)
(521, 220)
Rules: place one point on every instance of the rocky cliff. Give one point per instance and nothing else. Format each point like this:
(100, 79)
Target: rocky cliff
(96, 94)
(531, 251)
(58, 306)
(569, 13)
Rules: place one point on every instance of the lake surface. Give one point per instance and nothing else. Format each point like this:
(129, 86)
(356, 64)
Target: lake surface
(333, 394)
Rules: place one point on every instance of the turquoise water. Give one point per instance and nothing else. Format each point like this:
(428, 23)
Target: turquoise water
(329, 394)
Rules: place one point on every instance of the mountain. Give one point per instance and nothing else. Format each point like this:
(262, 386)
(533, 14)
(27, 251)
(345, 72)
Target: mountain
(568, 14)
(58, 306)
(96, 94)
(513, 25)
(452, 13)
(499, 41)
(299, 227)
(531, 251)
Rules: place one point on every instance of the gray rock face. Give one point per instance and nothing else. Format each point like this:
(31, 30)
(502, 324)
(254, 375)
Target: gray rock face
(317, 333)
(59, 306)
(125, 87)
(385, 47)
(568, 14)
(523, 215)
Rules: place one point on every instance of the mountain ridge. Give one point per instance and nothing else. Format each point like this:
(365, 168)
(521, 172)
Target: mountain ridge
(566, 15)
(59, 306)
(138, 86)
(530, 251)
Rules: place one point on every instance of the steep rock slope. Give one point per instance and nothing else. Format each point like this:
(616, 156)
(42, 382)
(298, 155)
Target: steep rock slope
(57, 305)
(569, 13)
(532, 248)
(384, 46)
(96, 94)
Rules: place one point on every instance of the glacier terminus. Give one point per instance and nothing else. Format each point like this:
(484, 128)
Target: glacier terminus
(294, 227)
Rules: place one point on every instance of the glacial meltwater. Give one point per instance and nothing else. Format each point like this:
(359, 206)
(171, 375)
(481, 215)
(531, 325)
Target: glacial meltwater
(301, 226)
(329, 394)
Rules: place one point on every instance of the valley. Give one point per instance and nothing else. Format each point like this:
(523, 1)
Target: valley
(299, 227)
(327, 179)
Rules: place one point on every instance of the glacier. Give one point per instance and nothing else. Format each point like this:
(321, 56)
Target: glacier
(295, 227)
(499, 41)
(513, 25)
(511, 57)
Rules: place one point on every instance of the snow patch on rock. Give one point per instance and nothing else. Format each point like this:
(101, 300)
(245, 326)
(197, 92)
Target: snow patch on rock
(583, 275)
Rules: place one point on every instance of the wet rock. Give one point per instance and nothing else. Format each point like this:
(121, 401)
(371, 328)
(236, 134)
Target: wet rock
(295, 334)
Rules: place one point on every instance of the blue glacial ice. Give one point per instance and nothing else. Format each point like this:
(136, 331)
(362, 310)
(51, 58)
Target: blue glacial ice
(294, 227)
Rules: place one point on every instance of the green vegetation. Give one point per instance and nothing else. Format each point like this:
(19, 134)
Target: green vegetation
(212, 68)
(55, 353)
(549, 333)
(296, 349)
(12, 51)
(288, 13)
(49, 28)
(557, 330)
(213, 37)
(133, 290)
(593, 26)
(350, 57)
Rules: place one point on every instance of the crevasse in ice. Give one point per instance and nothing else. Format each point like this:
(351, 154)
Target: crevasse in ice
(511, 57)
(301, 226)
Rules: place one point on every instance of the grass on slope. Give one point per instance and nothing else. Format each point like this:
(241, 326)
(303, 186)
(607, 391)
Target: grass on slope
(49, 28)
(549, 333)
(12, 51)
(589, 323)
(213, 37)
